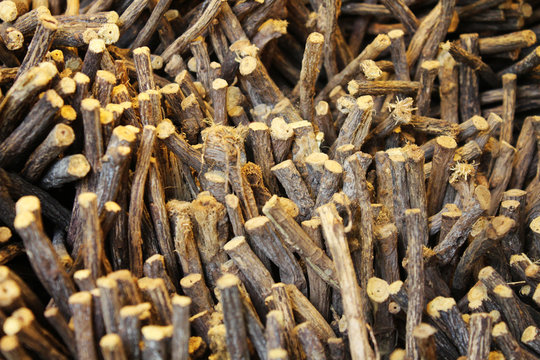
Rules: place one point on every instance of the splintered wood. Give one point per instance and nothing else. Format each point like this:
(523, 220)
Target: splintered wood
(269, 179)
